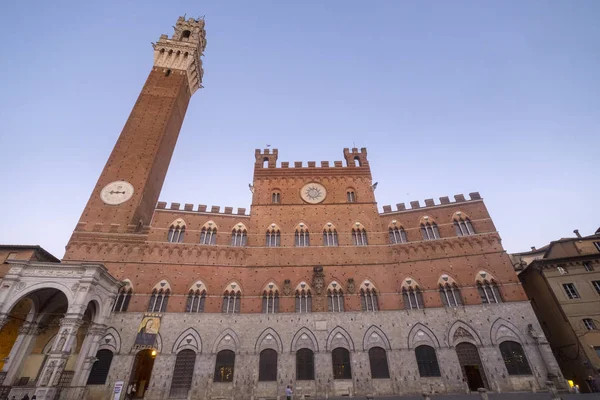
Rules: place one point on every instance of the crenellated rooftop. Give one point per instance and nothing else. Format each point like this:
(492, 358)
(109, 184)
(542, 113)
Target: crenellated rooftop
(414, 205)
(202, 208)
(355, 163)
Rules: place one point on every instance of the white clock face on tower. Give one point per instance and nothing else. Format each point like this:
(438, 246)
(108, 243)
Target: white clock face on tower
(117, 192)
(313, 193)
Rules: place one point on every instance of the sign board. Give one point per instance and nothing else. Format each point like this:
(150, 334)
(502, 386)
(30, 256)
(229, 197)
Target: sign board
(118, 390)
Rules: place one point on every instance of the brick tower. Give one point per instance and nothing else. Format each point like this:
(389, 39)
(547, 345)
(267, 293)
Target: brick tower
(126, 193)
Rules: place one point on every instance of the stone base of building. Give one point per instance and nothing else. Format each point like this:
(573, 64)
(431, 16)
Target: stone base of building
(398, 332)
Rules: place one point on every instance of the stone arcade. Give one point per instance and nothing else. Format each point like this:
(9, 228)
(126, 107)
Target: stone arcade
(313, 288)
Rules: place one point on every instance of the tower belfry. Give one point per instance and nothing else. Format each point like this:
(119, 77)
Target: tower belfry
(126, 193)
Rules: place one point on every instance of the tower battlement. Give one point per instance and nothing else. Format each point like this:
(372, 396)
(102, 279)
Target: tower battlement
(183, 50)
(266, 161)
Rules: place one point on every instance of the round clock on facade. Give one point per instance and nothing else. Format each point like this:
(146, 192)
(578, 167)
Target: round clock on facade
(116, 192)
(313, 193)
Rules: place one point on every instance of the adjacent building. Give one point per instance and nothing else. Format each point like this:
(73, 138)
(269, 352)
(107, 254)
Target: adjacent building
(312, 287)
(562, 280)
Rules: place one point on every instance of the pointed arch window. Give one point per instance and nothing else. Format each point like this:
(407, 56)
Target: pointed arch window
(232, 300)
(330, 236)
(305, 365)
(183, 373)
(224, 366)
(273, 236)
(450, 295)
(378, 363)
(302, 238)
(208, 234)
(514, 358)
(158, 300)
(303, 301)
(368, 300)
(335, 298)
(100, 368)
(412, 296)
(340, 358)
(489, 292)
(123, 299)
(267, 365)
(270, 302)
(195, 301)
(176, 232)
(397, 235)
(462, 225)
(239, 236)
(368, 297)
(427, 361)
(429, 230)
(359, 235)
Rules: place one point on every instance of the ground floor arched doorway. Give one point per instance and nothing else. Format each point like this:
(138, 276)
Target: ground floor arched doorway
(141, 372)
(471, 366)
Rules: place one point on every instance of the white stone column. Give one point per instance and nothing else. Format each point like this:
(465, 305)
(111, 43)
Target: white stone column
(57, 358)
(87, 355)
(20, 349)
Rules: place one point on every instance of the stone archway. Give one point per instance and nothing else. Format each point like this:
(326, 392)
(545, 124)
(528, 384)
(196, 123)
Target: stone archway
(54, 348)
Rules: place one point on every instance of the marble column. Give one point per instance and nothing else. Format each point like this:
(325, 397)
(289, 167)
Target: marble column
(58, 356)
(86, 359)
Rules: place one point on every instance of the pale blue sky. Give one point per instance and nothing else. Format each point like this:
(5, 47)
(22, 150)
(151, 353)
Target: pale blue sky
(500, 97)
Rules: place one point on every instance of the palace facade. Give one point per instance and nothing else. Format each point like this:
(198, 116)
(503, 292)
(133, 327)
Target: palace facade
(311, 287)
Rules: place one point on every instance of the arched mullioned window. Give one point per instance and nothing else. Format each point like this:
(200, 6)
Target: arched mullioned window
(330, 236)
(462, 224)
(273, 236)
(124, 297)
(224, 366)
(449, 292)
(208, 234)
(368, 297)
(514, 358)
(159, 297)
(412, 295)
(340, 358)
(239, 235)
(427, 361)
(232, 299)
(195, 301)
(359, 235)
(270, 299)
(305, 365)
(183, 373)
(176, 231)
(378, 363)
(267, 365)
(335, 298)
(488, 288)
(397, 233)
(303, 298)
(351, 195)
(100, 368)
(301, 237)
(429, 229)
(276, 197)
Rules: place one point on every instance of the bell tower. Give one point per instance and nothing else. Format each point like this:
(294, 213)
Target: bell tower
(126, 193)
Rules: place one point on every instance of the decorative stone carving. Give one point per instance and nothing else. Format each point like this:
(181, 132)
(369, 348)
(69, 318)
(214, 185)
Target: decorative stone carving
(20, 286)
(287, 287)
(462, 333)
(351, 287)
(318, 280)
